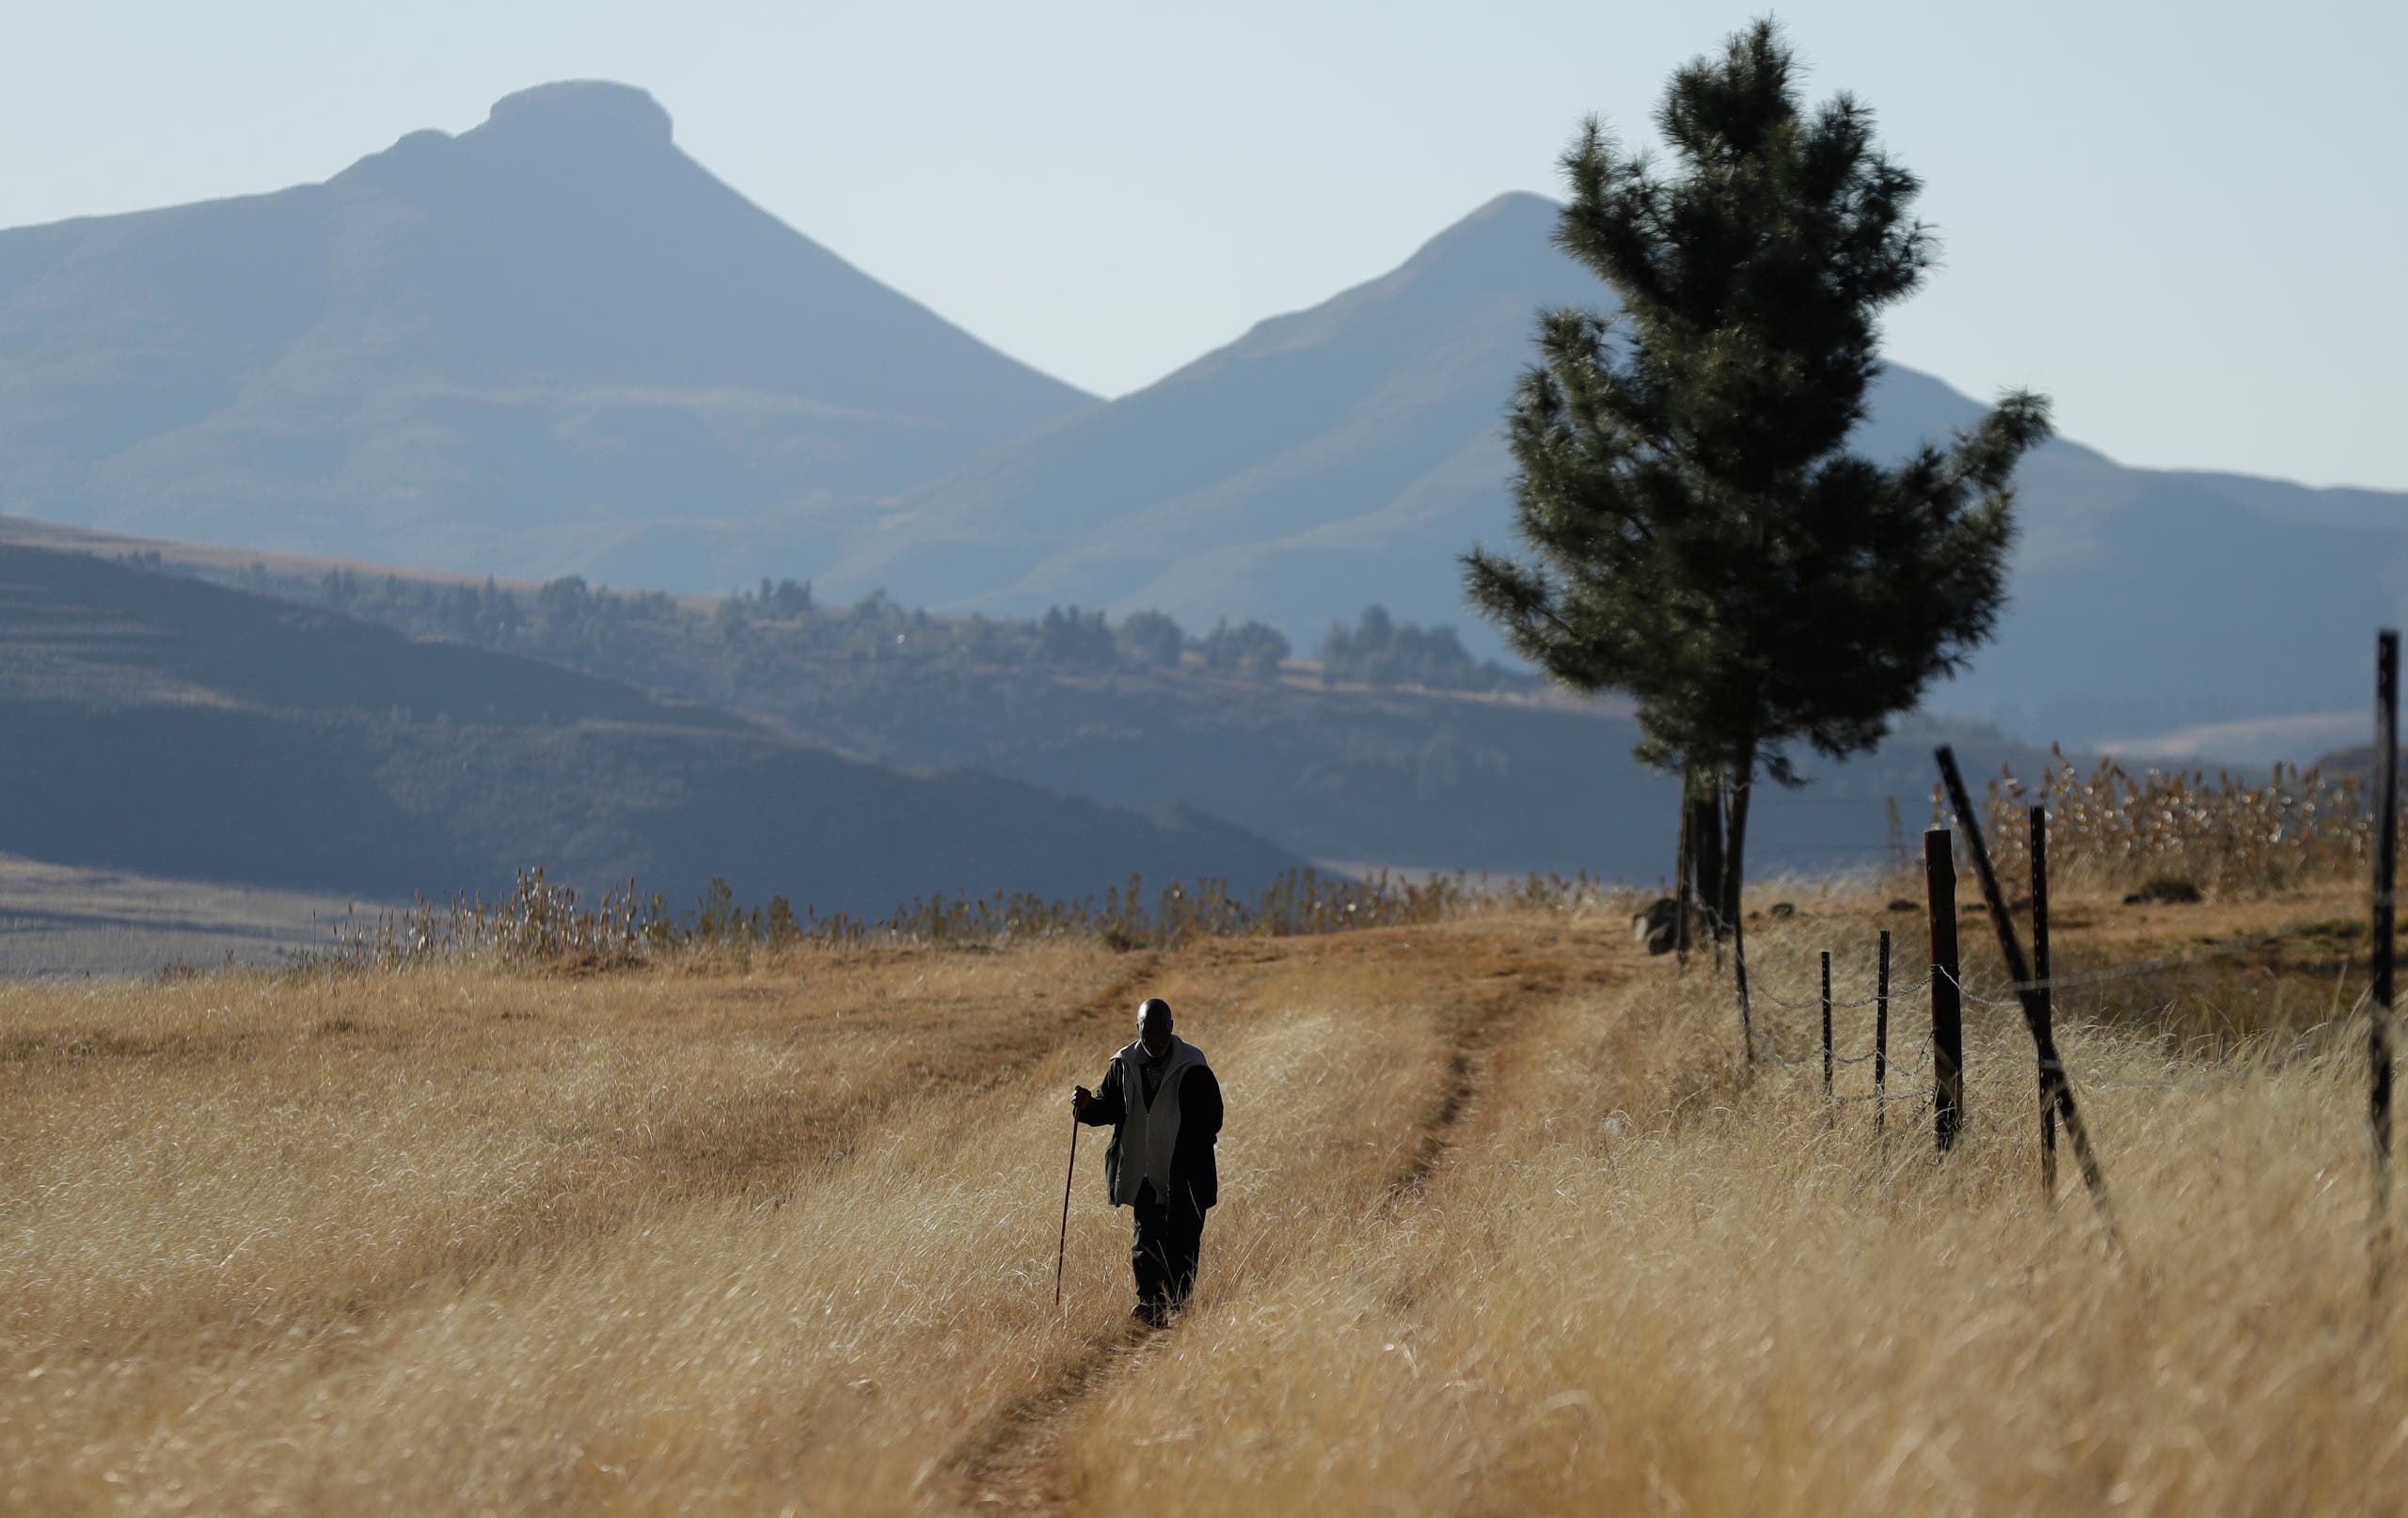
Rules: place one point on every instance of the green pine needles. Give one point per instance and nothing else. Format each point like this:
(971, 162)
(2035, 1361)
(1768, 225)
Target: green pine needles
(1699, 534)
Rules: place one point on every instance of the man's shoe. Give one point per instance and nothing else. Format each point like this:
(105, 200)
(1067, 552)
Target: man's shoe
(1151, 1314)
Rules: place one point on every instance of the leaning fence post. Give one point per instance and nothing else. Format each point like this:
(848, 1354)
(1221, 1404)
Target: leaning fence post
(1882, 1047)
(2044, 1042)
(1947, 1002)
(2386, 859)
(1826, 1030)
(2046, 999)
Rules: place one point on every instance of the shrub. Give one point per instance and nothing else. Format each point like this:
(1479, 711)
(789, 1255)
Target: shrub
(1075, 640)
(1152, 638)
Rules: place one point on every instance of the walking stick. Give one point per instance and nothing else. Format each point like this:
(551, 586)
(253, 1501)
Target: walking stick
(1062, 1252)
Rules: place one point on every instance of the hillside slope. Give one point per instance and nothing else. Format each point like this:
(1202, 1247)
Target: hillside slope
(1349, 773)
(500, 352)
(163, 725)
(1348, 453)
(1326, 459)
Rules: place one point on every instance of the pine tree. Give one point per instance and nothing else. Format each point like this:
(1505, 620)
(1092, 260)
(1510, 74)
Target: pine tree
(1700, 535)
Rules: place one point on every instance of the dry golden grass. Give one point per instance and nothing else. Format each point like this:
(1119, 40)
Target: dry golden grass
(1693, 1295)
(1505, 1228)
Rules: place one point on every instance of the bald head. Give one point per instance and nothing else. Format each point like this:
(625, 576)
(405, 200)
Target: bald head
(1153, 1024)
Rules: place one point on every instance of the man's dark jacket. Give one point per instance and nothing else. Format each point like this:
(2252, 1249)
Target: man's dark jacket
(1193, 1168)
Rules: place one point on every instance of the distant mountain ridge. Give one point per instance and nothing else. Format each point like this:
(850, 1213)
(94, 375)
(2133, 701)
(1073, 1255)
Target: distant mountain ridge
(1347, 454)
(500, 352)
(1314, 466)
(553, 344)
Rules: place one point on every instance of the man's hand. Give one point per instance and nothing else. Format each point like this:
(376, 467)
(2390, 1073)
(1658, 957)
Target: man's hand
(1081, 1100)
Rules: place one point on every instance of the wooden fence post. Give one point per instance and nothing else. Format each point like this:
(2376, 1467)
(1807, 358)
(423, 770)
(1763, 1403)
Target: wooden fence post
(2044, 1042)
(1882, 1047)
(2387, 858)
(1947, 1002)
(2047, 998)
(1826, 1028)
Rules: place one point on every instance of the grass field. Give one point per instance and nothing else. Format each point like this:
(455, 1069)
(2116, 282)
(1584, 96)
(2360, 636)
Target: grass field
(1506, 1227)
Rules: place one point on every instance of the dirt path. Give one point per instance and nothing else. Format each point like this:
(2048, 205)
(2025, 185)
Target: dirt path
(1002, 1465)
(1475, 1045)
(1006, 1465)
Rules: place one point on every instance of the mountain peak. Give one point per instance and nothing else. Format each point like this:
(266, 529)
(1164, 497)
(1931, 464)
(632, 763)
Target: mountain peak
(582, 109)
(1513, 205)
(568, 117)
(1506, 243)
(1517, 220)
(564, 273)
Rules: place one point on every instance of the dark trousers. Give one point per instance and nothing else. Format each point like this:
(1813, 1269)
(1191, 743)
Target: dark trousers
(1163, 1253)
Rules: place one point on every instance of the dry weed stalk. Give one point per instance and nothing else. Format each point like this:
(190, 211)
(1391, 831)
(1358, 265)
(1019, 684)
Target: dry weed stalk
(542, 924)
(2112, 829)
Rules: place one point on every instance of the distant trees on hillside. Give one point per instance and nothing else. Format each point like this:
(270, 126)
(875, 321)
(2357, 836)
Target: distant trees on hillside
(764, 635)
(1152, 638)
(485, 614)
(562, 604)
(1379, 650)
(782, 600)
(1250, 649)
(1070, 639)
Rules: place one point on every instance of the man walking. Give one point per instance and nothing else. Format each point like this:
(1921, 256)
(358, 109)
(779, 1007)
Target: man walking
(1164, 1108)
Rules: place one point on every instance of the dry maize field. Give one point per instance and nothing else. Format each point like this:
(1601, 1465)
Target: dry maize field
(1508, 1226)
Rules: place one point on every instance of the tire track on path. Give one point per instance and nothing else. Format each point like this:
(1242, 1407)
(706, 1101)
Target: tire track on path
(1474, 1045)
(997, 1463)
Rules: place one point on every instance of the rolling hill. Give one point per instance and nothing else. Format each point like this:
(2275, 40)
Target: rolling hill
(501, 351)
(1350, 774)
(1326, 460)
(162, 725)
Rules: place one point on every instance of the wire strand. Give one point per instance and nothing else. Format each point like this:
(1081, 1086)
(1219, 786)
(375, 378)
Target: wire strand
(2067, 982)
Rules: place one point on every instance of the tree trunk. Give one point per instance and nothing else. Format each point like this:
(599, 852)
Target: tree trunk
(1704, 800)
(1735, 854)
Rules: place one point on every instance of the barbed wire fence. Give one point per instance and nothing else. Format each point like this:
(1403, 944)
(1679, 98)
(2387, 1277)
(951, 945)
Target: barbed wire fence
(2315, 1044)
(2031, 987)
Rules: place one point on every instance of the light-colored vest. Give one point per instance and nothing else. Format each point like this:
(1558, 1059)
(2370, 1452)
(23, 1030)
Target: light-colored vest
(1149, 1134)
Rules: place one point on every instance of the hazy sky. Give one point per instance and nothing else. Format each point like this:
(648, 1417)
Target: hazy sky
(2185, 222)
